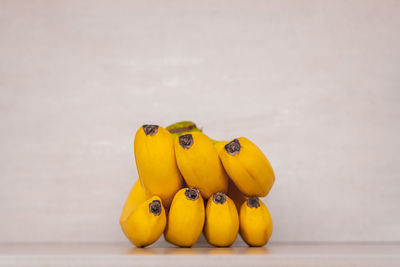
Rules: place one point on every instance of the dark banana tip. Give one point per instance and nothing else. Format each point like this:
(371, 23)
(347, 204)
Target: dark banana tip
(253, 202)
(219, 198)
(150, 129)
(233, 147)
(155, 207)
(192, 193)
(186, 141)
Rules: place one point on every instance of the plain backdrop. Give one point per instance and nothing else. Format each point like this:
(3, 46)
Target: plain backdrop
(315, 84)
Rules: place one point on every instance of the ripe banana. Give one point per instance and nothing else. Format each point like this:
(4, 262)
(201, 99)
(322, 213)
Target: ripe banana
(156, 164)
(185, 218)
(146, 223)
(248, 167)
(237, 196)
(136, 197)
(199, 164)
(255, 222)
(222, 221)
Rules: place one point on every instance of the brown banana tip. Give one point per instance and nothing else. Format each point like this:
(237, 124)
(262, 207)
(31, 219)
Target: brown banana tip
(233, 147)
(192, 193)
(155, 207)
(219, 198)
(253, 202)
(186, 141)
(150, 129)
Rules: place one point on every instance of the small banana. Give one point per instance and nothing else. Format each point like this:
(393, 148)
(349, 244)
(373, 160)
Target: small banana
(136, 197)
(146, 223)
(156, 164)
(248, 167)
(199, 164)
(185, 218)
(235, 194)
(222, 221)
(255, 222)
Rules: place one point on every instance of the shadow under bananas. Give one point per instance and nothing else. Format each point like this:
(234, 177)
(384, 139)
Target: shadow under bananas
(162, 247)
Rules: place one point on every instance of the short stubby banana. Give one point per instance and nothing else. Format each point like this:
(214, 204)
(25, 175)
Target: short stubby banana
(199, 164)
(156, 164)
(248, 167)
(255, 222)
(235, 194)
(222, 221)
(146, 223)
(185, 218)
(136, 197)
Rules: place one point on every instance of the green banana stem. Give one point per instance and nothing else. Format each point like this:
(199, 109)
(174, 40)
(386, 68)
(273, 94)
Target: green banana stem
(184, 127)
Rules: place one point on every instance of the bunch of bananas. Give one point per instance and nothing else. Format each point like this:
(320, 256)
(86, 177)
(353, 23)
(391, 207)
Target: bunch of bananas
(189, 184)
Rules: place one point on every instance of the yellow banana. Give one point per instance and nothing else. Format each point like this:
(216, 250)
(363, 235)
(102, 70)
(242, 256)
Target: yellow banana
(248, 167)
(235, 194)
(185, 218)
(156, 164)
(222, 221)
(199, 164)
(136, 197)
(146, 223)
(255, 222)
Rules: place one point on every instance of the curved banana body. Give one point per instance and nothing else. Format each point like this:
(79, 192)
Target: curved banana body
(235, 194)
(156, 164)
(185, 218)
(222, 221)
(136, 197)
(255, 222)
(248, 167)
(146, 223)
(199, 164)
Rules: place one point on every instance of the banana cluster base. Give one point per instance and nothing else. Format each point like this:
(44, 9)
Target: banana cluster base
(163, 254)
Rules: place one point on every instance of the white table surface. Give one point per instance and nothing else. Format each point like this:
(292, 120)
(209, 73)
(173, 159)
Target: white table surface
(163, 254)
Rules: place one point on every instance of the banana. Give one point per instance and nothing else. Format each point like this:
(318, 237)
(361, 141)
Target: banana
(136, 197)
(156, 164)
(185, 218)
(199, 164)
(222, 221)
(255, 222)
(146, 223)
(237, 196)
(248, 167)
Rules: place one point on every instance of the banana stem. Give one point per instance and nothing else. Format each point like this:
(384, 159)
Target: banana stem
(183, 127)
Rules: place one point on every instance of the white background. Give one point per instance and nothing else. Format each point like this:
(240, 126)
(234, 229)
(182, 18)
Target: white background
(316, 85)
